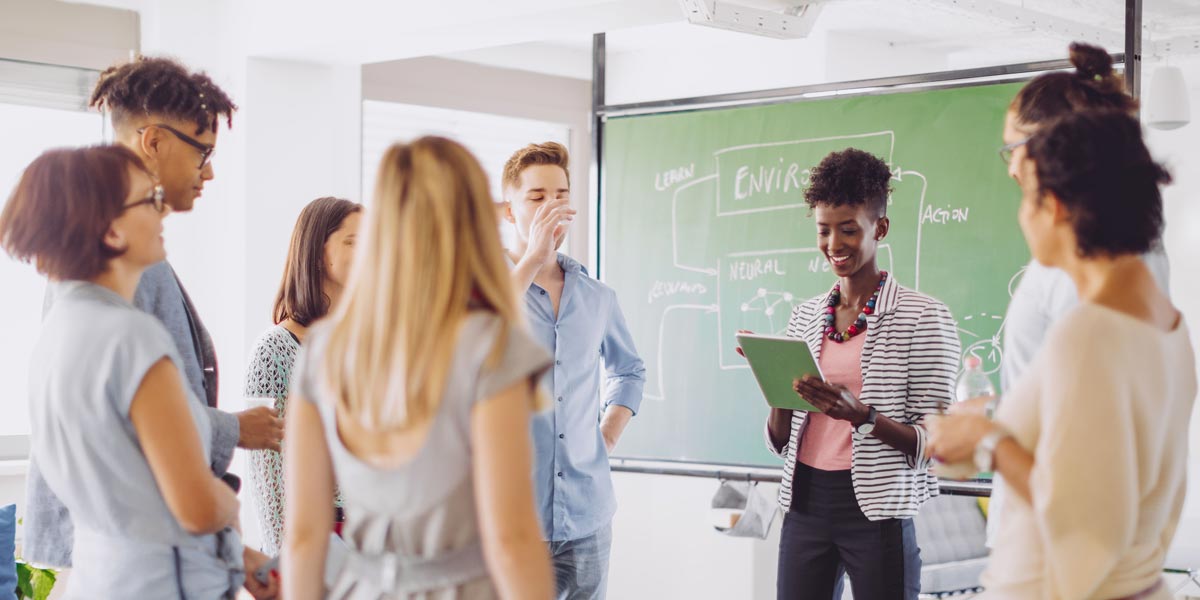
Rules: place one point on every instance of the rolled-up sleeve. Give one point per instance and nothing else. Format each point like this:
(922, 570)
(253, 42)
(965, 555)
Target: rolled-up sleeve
(225, 433)
(932, 367)
(781, 452)
(625, 373)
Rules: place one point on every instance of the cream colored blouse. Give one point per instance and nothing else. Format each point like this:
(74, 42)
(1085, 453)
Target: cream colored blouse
(1104, 409)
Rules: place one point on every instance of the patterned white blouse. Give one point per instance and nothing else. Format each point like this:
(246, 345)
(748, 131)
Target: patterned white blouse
(269, 376)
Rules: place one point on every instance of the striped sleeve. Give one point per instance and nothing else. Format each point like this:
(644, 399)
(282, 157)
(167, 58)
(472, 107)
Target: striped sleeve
(932, 367)
(780, 452)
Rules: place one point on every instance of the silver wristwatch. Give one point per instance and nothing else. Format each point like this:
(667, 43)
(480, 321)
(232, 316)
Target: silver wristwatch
(866, 427)
(985, 450)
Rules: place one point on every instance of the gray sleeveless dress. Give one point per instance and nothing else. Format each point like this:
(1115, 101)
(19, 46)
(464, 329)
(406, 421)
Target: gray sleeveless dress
(412, 529)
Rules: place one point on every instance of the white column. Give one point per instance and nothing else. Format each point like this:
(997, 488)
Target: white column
(295, 137)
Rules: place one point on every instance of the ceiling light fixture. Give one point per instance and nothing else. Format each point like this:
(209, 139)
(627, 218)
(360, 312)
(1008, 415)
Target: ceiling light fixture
(792, 20)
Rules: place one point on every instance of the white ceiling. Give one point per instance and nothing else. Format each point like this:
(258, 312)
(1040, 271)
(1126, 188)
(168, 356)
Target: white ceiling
(366, 31)
(966, 35)
(554, 36)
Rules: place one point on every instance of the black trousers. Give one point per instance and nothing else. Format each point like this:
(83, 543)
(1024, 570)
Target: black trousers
(826, 535)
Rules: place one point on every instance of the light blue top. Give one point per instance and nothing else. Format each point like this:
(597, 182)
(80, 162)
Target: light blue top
(94, 350)
(48, 534)
(571, 473)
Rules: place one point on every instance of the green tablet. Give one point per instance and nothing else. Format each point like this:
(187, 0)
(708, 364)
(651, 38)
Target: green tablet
(776, 362)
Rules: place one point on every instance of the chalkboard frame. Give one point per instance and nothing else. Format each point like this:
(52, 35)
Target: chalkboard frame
(790, 95)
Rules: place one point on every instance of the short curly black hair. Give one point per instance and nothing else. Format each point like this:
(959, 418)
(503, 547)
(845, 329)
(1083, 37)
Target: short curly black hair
(151, 85)
(850, 177)
(1097, 165)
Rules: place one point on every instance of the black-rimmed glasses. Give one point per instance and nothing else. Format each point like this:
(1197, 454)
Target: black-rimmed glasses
(155, 199)
(205, 150)
(1006, 151)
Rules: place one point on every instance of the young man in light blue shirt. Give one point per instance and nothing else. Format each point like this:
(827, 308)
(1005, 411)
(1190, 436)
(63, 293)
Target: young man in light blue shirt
(577, 318)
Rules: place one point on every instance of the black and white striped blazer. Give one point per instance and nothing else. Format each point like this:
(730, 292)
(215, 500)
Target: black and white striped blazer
(909, 364)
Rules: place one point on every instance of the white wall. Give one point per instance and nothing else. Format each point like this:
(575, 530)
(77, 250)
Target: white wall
(1180, 151)
(458, 85)
(303, 125)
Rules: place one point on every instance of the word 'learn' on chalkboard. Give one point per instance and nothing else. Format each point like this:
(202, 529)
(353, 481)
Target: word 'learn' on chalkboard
(707, 232)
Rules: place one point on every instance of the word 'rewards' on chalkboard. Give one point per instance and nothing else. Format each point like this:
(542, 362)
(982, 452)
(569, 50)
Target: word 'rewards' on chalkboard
(708, 233)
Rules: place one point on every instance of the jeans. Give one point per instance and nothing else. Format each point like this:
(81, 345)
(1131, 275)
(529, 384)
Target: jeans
(581, 566)
(825, 534)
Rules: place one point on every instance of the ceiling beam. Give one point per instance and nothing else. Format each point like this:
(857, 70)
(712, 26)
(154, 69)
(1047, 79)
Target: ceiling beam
(1031, 20)
(1174, 46)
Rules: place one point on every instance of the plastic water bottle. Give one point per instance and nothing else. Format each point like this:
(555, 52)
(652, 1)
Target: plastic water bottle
(973, 383)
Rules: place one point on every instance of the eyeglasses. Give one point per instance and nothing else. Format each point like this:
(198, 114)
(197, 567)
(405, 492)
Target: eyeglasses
(155, 199)
(205, 150)
(1006, 151)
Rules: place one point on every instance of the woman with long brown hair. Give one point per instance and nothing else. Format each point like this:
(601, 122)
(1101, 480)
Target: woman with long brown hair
(316, 271)
(418, 393)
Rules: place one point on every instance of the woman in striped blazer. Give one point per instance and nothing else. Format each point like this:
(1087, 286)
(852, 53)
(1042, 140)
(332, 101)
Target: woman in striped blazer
(855, 473)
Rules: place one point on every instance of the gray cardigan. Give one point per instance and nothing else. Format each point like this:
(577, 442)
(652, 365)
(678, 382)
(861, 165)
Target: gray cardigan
(48, 533)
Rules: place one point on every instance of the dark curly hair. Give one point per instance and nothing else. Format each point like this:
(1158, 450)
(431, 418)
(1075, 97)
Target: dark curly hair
(161, 86)
(1092, 85)
(1097, 165)
(850, 177)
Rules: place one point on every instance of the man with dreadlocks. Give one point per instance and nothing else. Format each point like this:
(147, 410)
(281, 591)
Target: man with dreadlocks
(169, 117)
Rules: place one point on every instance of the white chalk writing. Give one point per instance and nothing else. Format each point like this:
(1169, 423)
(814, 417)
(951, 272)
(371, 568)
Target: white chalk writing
(749, 270)
(662, 289)
(781, 178)
(666, 179)
(942, 216)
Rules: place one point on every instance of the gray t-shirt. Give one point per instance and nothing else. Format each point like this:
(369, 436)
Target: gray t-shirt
(93, 353)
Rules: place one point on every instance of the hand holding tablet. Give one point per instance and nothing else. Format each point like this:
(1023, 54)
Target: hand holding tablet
(777, 362)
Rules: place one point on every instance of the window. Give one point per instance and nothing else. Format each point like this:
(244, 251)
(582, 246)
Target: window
(491, 138)
(41, 107)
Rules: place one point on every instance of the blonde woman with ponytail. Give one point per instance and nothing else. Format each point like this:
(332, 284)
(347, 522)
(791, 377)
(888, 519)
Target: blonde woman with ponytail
(417, 394)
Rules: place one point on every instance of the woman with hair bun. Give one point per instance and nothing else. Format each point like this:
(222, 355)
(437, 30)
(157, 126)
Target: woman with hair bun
(1045, 294)
(1092, 439)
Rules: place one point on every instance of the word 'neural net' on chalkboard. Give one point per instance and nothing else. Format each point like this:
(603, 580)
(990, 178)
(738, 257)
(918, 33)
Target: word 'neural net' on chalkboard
(707, 232)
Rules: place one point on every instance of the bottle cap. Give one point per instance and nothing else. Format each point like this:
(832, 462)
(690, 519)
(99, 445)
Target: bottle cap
(973, 362)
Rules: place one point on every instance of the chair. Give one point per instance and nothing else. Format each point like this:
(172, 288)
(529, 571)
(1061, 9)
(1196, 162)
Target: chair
(952, 534)
(1184, 562)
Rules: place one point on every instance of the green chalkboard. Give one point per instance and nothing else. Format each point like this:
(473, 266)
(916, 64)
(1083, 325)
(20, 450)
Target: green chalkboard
(706, 232)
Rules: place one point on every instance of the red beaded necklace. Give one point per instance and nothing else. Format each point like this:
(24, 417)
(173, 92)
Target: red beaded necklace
(860, 324)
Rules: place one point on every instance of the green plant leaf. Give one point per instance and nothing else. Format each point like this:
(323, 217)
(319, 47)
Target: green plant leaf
(24, 585)
(43, 581)
(34, 583)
